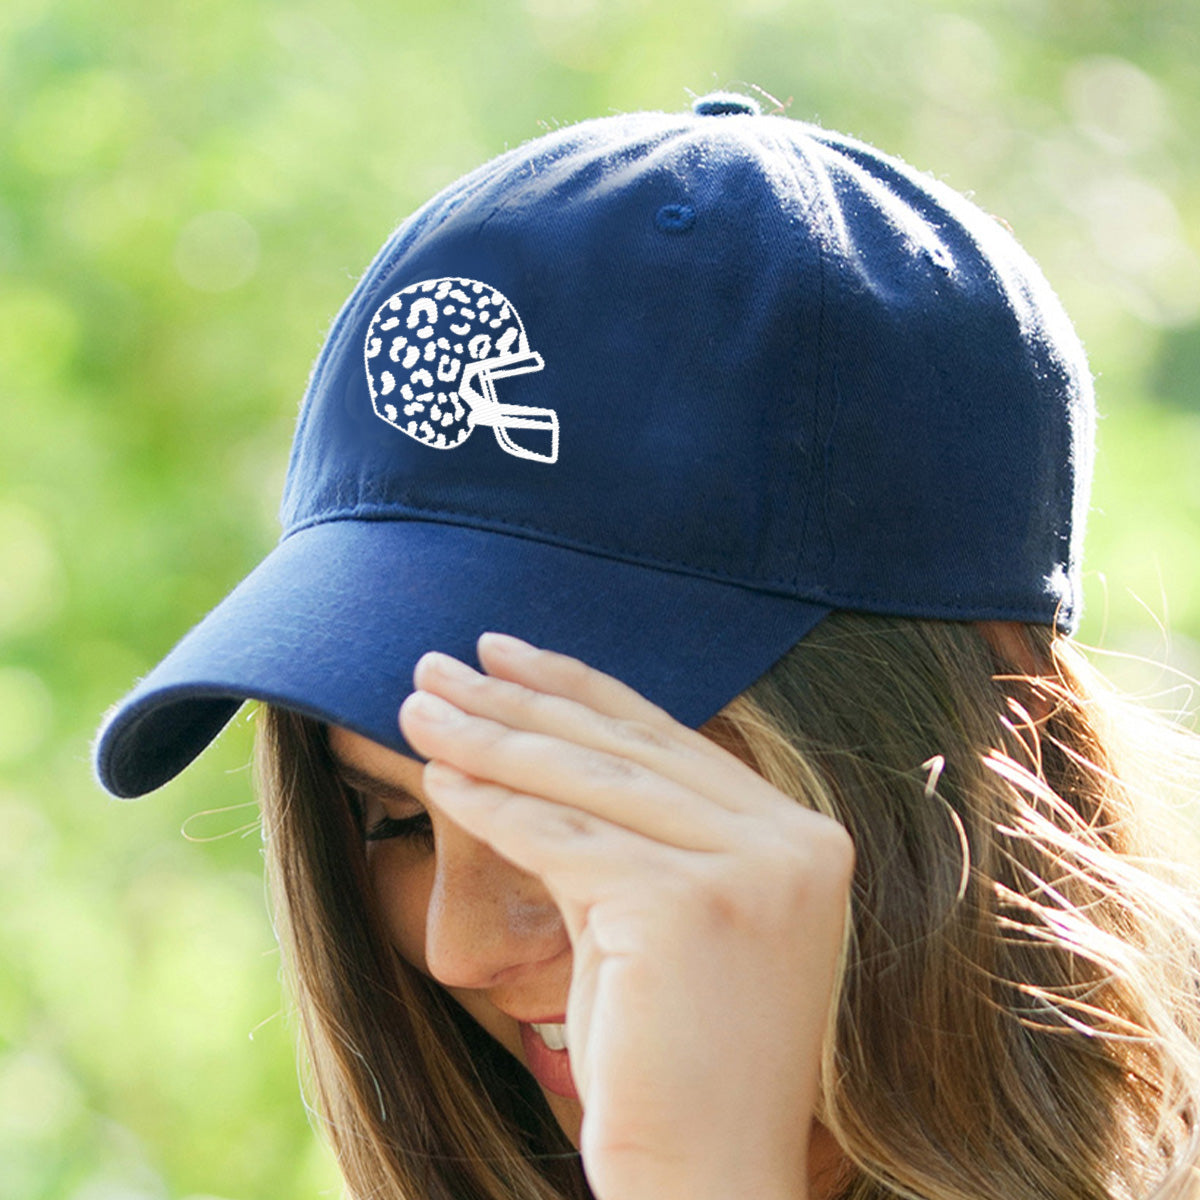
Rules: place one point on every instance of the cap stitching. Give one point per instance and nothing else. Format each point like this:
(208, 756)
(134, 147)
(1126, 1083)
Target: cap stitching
(815, 200)
(787, 588)
(395, 512)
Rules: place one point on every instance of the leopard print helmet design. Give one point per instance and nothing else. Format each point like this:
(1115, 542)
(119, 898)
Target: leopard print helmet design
(433, 353)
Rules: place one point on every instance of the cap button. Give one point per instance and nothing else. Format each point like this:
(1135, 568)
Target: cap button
(723, 104)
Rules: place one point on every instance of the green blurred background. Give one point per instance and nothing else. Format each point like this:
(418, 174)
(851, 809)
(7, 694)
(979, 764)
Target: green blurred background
(187, 193)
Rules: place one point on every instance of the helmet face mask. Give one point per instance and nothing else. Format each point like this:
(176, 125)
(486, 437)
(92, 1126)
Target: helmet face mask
(433, 353)
(486, 409)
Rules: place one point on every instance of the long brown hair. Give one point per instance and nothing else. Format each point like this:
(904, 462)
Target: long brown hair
(1018, 1009)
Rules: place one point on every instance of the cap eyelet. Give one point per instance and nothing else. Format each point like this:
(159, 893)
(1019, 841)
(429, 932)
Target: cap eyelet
(675, 218)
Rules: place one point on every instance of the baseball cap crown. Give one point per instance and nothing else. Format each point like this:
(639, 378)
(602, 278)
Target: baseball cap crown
(775, 355)
(659, 391)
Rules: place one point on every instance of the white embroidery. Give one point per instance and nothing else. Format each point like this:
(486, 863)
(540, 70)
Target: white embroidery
(479, 320)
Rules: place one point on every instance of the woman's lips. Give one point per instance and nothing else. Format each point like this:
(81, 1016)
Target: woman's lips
(551, 1068)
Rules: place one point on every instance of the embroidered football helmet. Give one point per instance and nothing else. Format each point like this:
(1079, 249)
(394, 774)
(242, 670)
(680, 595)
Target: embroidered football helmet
(434, 351)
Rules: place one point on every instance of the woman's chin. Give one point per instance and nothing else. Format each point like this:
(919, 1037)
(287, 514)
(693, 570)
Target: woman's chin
(568, 1114)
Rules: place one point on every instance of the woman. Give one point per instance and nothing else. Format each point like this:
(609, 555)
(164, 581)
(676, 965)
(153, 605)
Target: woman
(790, 810)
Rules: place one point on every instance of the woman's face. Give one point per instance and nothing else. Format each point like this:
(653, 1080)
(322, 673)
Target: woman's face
(487, 931)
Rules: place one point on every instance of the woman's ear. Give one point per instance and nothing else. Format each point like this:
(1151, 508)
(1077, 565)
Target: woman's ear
(1020, 658)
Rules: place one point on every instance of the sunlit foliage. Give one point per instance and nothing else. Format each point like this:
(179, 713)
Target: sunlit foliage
(187, 193)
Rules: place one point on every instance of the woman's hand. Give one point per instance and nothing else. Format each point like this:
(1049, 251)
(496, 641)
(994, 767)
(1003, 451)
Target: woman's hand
(705, 911)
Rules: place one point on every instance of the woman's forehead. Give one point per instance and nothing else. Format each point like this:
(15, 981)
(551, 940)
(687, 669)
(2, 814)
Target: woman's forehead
(362, 759)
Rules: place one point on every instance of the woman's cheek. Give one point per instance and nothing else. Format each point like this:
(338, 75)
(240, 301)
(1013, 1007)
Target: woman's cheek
(402, 888)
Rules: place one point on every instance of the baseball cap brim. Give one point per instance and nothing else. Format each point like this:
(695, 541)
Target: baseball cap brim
(332, 622)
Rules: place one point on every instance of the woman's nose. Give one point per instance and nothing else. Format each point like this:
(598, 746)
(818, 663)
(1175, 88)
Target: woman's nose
(488, 922)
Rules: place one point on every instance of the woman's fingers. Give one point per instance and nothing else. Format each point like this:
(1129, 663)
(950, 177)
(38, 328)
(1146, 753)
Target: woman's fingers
(585, 859)
(583, 855)
(582, 860)
(532, 697)
(615, 789)
(508, 657)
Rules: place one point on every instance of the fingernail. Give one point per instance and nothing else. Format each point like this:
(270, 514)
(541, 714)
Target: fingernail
(506, 644)
(431, 708)
(441, 773)
(435, 660)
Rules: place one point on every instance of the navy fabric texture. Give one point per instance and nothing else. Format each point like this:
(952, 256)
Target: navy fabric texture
(719, 373)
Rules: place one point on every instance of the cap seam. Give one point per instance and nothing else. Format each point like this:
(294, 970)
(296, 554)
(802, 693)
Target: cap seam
(483, 521)
(814, 200)
(780, 587)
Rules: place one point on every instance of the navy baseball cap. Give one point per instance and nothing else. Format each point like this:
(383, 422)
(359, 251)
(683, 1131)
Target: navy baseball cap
(658, 391)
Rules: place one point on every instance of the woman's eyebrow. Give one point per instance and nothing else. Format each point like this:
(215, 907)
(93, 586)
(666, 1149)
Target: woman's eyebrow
(364, 781)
